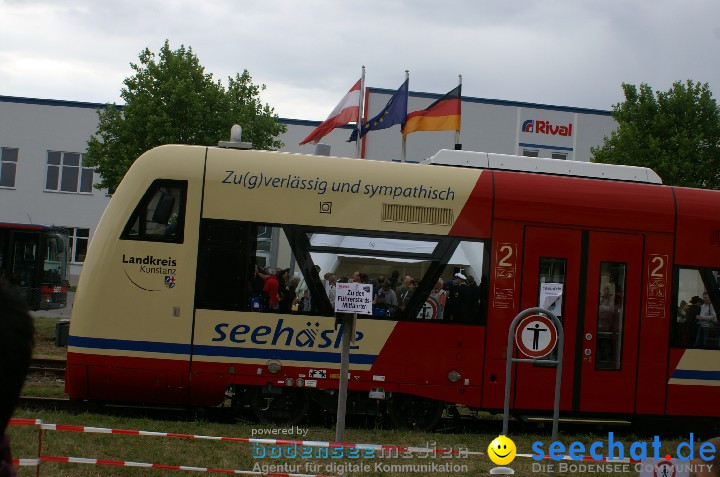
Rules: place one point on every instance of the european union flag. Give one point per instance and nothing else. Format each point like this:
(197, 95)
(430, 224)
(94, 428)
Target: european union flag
(394, 112)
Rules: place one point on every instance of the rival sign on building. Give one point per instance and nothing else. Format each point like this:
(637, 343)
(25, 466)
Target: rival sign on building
(546, 127)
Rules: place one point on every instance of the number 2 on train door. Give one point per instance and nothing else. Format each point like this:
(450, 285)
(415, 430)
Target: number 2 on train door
(505, 275)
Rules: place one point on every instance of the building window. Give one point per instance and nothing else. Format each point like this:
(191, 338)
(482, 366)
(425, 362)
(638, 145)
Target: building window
(530, 152)
(78, 244)
(65, 173)
(8, 166)
(559, 155)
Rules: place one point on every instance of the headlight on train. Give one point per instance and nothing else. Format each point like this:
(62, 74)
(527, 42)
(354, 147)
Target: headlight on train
(300, 382)
(274, 366)
(454, 376)
(289, 382)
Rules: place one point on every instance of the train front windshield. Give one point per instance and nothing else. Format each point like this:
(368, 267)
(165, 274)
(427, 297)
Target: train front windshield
(34, 261)
(55, 265)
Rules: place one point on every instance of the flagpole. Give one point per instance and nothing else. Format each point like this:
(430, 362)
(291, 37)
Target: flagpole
(458, 146)
(358, 147)
(404, 142)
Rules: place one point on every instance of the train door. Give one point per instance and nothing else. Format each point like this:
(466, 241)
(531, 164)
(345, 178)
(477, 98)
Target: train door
(611, 325)
(551, 279)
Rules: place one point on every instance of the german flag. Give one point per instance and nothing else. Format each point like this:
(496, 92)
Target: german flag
(442, 115)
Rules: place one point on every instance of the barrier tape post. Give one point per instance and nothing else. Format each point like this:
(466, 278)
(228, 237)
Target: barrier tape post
(39, 452)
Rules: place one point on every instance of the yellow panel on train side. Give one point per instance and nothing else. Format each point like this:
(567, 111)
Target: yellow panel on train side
(697, 367)
(294, 340)
(129, 301)
(286, 188)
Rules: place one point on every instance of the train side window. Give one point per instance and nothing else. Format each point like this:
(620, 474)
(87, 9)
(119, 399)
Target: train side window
(552, 284)
(610, 317)
(225, 254)
(160, 215)
(376, 259)
(464, 281)
(551, 290)
(246, 266)
(697, 298)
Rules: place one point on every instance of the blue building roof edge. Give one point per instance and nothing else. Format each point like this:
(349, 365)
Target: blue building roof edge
(305, 122)
(501, 102)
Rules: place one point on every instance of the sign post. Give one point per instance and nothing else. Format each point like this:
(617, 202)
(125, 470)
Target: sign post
(350, 299)
(536, 332)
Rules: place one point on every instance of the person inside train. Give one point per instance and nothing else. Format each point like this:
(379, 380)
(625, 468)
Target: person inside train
(692, 322)
(394, 279)
(458, 301)
(285, 291)
(272, 288)
(303, 292)
(402, 288)
(707, 324)
(606, 326)
(406, 294)
(440, 297)
(474, 296)
(386, 302)
(683, 324)
(16, 343)
(330, 288)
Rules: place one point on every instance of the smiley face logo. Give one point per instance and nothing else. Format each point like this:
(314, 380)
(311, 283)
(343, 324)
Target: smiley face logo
(502, 450)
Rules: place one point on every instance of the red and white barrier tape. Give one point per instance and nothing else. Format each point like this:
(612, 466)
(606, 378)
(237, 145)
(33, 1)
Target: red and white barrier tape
(283, 442)
(25, 462)
(25, 422)
(122, 463)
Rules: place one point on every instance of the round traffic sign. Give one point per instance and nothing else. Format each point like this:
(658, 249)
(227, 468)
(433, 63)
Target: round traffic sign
(536, 336)
(429, 310)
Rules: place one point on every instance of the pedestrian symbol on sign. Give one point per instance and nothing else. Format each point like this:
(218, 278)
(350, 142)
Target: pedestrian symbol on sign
(536, 336)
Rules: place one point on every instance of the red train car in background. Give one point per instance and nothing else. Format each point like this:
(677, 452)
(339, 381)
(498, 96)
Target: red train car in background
(34, 261)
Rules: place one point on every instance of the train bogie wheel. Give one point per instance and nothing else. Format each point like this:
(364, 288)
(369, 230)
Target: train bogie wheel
(290, 407)
(414, 412)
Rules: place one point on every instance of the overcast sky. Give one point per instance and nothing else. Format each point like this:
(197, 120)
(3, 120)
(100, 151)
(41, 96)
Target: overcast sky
(309, 52)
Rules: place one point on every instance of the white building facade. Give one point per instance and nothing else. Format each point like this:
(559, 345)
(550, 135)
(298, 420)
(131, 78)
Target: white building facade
(43, 181)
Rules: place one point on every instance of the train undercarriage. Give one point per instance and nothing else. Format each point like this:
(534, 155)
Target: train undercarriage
(283, 405)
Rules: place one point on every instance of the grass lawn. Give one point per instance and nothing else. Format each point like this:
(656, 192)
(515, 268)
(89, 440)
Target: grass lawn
(45, 339)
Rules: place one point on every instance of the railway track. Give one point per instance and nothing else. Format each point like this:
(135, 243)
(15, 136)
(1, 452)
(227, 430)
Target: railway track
(476, 424)
(32, 402)
(47, 367)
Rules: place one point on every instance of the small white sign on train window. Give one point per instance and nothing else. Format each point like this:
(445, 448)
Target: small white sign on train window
(551, 297)
(353, 298)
